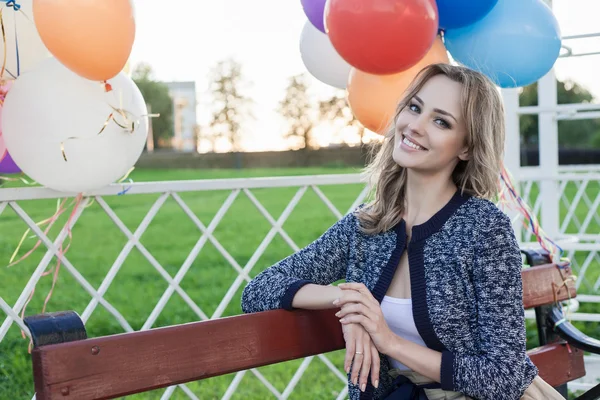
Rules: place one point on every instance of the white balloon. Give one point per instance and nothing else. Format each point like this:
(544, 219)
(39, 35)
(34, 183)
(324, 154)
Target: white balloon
(51, 105)
(25, 38)
(321, 59)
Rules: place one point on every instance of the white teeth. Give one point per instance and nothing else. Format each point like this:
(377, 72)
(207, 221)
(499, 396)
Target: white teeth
(411, 144)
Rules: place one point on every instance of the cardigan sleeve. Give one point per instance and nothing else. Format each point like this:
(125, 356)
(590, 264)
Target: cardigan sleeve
(322, 262)
(497, 371)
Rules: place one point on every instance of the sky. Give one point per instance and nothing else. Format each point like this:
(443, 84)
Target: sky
(183, 39)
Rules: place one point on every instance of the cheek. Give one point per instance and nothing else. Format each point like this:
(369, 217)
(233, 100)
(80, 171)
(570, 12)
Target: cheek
(402, 121)
(449, 144)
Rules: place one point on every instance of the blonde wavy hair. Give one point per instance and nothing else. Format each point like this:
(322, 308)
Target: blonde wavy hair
(483, 113)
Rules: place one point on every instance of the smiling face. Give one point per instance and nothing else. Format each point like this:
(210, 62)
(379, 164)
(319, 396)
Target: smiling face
(430, 134)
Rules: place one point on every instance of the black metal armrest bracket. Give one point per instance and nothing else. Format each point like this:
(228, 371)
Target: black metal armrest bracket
(54, 328)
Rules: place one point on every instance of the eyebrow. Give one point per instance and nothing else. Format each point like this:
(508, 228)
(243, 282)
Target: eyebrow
(437, 110)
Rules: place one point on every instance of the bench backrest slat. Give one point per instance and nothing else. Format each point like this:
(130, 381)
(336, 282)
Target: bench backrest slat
(139, 361)
(558, 363)
(540, 284)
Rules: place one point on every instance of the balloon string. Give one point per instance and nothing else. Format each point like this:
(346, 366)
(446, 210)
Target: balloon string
(4, 44)
(125, 177)
(61, 251)
(54, 271)
(530, 220)
(17, 42)
(128, 126)
(11, 179)
(60, 209)
(16, 7)
(13, 4)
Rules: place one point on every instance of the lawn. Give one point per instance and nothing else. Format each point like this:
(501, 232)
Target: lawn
(97, 243)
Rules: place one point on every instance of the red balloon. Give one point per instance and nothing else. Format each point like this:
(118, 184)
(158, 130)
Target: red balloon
(382, 36)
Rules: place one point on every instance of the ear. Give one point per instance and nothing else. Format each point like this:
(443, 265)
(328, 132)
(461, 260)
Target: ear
(464, 155)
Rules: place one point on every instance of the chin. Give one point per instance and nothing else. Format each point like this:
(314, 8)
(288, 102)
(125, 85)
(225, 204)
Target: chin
(403, 159)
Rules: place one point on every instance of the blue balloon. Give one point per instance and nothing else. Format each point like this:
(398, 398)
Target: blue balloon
(460, 13)
(516, 44)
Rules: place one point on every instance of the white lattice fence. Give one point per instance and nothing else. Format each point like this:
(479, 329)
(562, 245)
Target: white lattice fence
(173, 191)
(580, 200)
(579, 229)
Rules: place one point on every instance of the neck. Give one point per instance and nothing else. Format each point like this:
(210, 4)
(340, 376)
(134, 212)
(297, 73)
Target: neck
(425, 195)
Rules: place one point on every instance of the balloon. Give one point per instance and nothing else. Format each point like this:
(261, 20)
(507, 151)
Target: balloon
(384, 36)
(516, 44)
(8, 166)
(51, 108)
(314, 10)
(459, 13)
(373, 98)
(93, 38)
(321, 59)
(24, 41)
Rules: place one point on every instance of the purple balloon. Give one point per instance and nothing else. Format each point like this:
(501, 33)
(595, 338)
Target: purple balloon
(8, 166)
(314, 10)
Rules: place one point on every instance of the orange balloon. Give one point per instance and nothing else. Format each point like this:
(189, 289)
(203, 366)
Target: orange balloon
(373, 98)
(93, 38)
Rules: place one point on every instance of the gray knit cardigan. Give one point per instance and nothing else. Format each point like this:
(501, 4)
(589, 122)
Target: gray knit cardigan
(465, 276)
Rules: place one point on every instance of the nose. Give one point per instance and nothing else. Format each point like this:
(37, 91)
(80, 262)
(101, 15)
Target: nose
(417, 125)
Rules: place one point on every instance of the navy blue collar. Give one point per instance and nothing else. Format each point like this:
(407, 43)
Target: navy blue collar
(436, 222)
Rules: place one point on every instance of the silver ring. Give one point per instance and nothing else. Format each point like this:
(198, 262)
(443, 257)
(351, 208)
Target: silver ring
(358, 352)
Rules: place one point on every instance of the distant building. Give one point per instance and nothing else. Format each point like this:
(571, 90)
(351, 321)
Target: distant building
(184, 115)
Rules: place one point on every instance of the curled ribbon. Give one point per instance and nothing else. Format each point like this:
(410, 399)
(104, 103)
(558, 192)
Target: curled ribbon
(13, 4)
(128, 125)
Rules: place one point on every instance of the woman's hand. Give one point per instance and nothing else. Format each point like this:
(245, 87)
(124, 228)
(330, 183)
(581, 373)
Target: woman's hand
(361, 354)
(358, 306)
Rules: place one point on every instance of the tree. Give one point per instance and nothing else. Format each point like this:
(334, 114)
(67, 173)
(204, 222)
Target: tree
(336, 108)
(574, 133)
(298, 110)
(156, 94)
(232, 107)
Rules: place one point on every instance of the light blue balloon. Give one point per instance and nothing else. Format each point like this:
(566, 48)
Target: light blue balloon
(516, 44)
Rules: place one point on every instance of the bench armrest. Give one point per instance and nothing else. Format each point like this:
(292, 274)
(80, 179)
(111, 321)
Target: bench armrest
(572, 335)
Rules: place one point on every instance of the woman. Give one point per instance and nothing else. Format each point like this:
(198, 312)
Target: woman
(433, 304)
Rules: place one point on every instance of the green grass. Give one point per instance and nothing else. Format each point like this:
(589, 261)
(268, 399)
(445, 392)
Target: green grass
(97, 242)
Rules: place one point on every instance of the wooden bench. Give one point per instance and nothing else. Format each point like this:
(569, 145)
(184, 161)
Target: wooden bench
(68, 365)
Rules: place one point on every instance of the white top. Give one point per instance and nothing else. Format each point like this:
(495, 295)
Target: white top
(399, 317)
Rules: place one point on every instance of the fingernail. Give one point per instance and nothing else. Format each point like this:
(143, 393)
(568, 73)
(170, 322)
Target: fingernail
(347, 370)
(376, 383)
(337, 314)
(336, 301)
(363, 387)
(343, 320)
(355, 381)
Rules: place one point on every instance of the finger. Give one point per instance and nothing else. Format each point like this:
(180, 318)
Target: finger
(356, 308)
(359, 287)
(375, 365)
(358, 319)
(352, 296)
(366, 365)
(350, 349)
(358, 358)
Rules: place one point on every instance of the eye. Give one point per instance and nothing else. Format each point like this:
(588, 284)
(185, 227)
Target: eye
(442, 123)
(414, 107)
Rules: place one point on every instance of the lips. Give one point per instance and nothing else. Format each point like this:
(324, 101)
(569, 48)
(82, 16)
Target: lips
(412, 143)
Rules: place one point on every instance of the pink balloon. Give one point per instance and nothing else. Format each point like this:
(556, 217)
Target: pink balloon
(4, 88)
